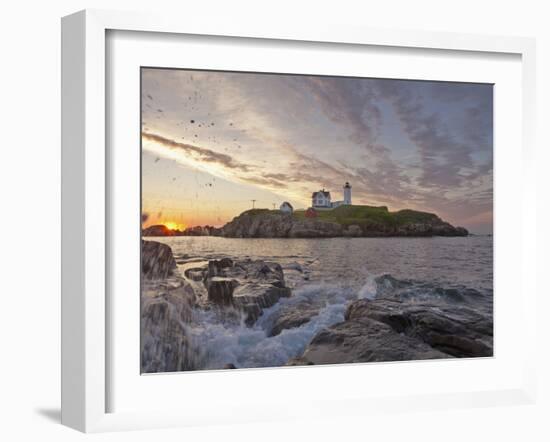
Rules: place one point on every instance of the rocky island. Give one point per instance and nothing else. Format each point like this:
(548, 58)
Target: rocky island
(343, 221)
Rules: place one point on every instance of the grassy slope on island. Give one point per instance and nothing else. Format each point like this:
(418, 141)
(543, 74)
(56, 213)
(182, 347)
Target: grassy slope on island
(367, 215)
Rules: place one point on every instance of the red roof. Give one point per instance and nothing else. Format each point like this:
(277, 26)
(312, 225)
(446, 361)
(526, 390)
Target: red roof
(311, 213)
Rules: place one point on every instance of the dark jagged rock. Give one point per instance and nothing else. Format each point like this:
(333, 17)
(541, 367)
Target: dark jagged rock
(165, 344)
(453, 329)
(291, 316)
(250, 286)
(406, 322)
(366, 340)
(157, 260)
(254, 298)
(195, 274)
(167, 302)
(216, 267)
(220, 289)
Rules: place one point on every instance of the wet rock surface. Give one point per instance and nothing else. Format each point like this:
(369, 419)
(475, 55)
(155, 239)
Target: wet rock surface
(250, 285)
(164, 339)
(365, 340)
(157, 260)
(216, 267)
(405, 322)
(167, 303)
(452, 329)
(220, 289)
(291, 316)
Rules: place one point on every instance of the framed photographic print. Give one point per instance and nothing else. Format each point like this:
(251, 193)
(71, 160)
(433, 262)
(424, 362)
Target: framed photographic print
(251, 208)
(267, 236)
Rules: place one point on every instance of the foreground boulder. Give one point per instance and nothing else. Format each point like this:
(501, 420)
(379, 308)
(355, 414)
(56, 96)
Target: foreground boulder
(165, 344)
(250, 286)
(167, 302)
(220, 289)
(217, 266)
(453, 329)
(157, 260)
(291, 316)
(365, 340)
(403, 325)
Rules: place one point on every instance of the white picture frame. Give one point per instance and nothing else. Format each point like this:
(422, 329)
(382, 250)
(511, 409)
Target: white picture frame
(85, 202)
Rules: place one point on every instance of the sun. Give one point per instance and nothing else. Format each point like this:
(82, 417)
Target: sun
(174, 226)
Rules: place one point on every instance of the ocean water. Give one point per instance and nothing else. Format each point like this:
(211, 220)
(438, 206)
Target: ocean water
(330, 273)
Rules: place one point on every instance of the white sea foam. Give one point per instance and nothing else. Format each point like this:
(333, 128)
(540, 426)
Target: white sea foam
(220, 343)
(368, 291)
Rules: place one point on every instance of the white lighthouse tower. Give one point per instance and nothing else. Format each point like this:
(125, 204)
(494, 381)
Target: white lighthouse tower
(347, 193)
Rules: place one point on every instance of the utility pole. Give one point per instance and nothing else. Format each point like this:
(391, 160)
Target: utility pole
(273, 206)
(253, 203)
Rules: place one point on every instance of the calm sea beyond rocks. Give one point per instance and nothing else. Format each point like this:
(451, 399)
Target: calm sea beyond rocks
(391, 326)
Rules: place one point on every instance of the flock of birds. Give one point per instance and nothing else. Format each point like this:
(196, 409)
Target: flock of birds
(194, 130)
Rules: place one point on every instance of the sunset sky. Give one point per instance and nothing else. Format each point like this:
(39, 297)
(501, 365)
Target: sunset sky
(214, 141)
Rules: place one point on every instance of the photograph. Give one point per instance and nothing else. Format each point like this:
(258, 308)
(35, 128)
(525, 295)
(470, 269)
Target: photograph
(302, 220)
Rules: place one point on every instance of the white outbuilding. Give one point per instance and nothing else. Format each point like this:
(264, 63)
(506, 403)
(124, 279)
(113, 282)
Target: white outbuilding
(286, 207)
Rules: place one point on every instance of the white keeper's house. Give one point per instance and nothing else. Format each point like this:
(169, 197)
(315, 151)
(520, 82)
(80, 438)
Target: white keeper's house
(286, 207)
(321, 199)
